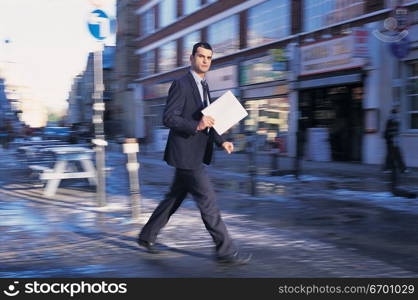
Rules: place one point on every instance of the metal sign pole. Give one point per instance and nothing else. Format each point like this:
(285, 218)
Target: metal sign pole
(99, 25)
(99, 141)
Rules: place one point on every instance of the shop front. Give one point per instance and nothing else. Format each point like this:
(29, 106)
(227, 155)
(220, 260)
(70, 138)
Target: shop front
(264, 90)
(338, 111)
(330, 100)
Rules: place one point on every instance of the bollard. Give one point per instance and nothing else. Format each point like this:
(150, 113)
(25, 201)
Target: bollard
(131, 148)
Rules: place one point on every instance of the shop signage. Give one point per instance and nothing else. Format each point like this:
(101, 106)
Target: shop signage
(264, 69)
(331, 55)
(361, 42)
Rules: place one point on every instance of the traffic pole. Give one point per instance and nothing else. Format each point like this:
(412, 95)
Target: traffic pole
(99, 141)
(99, 25)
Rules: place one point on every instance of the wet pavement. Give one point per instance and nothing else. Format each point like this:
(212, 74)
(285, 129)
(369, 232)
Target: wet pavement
(334, 221)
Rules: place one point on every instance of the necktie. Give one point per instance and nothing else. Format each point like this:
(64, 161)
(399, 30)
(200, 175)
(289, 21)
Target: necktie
(205, 93)
(205, 96)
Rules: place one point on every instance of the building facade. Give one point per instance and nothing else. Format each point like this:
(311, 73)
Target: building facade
(317, 67)
(80, 98)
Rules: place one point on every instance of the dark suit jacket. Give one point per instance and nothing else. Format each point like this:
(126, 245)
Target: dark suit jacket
(186, 147)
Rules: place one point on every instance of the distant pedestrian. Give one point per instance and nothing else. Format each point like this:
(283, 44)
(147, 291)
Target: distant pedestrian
(391, 134)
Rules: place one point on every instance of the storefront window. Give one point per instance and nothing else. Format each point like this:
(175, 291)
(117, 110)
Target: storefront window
(224, 36)
(188, 42)
(319, 13)
(147, 22)
(412, 94)
(268, 21)
(268, 118)
(339, 112)
(168, 12)
(264, 69)
(168, 57)
(147, 63)
(190, 6)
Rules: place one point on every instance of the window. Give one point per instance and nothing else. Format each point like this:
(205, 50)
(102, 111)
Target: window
(188, 42)
(412, 95)
(224, 36)
(147, 22)
(168, 57)
(269, 118)
(319, 13)
(268, 21)
(190, 6)
(168, 12)
(147, 63)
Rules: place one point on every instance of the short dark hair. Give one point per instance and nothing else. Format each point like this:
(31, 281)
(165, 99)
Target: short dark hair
(201, 44)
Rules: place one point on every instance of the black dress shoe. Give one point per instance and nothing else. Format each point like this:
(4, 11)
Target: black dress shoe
(148, 245)
(237, 258)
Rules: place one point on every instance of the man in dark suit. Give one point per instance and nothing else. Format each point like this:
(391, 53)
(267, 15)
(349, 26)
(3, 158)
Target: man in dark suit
(394, 157)
(189, 145)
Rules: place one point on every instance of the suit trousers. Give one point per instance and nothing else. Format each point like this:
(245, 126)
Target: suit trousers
(197, 183)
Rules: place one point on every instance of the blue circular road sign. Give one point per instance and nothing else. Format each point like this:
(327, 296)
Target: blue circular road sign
(99, 24)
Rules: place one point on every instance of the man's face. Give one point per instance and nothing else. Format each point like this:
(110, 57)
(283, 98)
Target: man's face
(201, 60)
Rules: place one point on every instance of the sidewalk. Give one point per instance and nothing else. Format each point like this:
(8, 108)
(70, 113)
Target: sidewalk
(301, 234)
(363, 177)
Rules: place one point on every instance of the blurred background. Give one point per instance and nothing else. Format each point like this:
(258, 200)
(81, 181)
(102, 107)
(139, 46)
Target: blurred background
(319, 78)
(331, 69)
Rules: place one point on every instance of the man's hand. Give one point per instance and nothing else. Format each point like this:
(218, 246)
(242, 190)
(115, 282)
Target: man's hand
(228, 146)
(205, 122)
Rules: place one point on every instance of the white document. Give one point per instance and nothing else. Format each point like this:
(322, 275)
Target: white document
(227, 111)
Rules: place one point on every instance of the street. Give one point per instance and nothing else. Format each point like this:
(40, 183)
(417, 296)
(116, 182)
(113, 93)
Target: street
(328, 223)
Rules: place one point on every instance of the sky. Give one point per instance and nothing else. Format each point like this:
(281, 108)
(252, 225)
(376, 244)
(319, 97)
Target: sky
(49, 45)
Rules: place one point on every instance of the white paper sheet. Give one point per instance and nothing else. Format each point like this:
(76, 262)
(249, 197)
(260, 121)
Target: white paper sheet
(227, 111)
